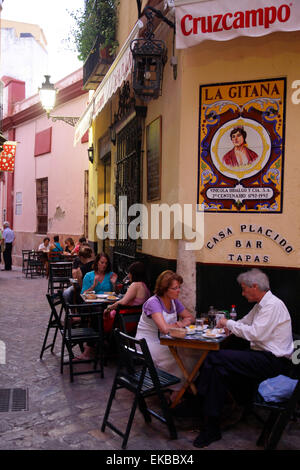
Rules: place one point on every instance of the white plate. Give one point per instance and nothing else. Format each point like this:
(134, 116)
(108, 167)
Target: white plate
(221, 331)
(101, 296)
(201, 328)
(211, 337)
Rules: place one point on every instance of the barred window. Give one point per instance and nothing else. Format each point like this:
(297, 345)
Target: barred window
(42, 205)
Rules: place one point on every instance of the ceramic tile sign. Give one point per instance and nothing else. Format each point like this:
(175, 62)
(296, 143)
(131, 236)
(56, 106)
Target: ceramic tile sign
(241, 146)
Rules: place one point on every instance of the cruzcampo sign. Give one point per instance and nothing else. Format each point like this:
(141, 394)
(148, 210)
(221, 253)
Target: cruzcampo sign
(221, 20)
(241, 146)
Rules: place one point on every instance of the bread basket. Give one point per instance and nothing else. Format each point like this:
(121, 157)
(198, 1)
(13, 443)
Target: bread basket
(177, 332)
(90, 296)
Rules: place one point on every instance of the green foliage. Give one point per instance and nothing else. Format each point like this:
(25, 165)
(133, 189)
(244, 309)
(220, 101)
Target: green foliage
(97, 20)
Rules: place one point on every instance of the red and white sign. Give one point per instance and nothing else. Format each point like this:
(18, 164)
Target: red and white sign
(7, 156)
(221, 20)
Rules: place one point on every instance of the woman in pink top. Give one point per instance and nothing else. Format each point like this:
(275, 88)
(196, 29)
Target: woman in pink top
(136, 294)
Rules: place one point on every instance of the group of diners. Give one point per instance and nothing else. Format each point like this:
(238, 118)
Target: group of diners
(53, 251)
(257, 346)
(70, 248)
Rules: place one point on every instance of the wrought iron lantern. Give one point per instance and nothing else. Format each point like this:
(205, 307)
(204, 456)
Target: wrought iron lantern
(149, 57)
(112, 134)
(91, 153)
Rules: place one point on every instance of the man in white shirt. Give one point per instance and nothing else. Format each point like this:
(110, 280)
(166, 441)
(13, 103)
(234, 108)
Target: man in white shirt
(267, 328)
(45, 246)
(8, 238)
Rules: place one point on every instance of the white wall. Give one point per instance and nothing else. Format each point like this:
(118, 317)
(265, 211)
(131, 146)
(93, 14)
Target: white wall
(24, 59)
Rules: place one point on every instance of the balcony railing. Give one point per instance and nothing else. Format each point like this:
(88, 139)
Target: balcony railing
(96, 66)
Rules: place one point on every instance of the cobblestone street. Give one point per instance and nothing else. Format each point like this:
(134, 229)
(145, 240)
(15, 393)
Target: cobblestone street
(64, 415)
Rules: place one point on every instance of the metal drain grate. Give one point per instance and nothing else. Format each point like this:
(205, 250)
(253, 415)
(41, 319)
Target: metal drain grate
(13, 399)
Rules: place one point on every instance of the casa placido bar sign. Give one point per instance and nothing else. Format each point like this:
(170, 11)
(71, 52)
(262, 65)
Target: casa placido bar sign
(241, 146)
(221, 20)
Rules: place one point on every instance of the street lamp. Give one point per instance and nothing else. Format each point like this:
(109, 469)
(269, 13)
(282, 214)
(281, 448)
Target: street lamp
(47, 97)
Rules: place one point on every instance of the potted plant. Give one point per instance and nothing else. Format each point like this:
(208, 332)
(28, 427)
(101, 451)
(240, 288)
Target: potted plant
(95, 25)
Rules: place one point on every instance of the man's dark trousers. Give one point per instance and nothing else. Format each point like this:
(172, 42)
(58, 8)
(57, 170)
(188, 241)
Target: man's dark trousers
(7, 256)
(234, 371)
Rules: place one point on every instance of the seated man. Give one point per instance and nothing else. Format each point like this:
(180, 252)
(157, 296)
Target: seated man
(80, 267)
(268, 329)
(45, 246)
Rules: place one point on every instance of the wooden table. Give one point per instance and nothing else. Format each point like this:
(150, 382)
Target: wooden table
(195, 341)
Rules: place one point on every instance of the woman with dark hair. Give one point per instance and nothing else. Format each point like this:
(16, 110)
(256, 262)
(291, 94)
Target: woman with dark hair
(137, 293)
(101, 279)
(69, 246)
(240, 154)
(160, 313)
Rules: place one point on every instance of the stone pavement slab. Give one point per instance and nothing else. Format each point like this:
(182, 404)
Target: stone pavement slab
(65, 416)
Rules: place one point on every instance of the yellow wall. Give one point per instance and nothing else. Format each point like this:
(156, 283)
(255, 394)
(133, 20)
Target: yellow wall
(93, 189)
(100, 127)
(169, 107)
(272, 56)
(128, 16)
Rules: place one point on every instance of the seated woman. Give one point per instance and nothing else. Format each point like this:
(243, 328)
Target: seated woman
(101, 279)
(78, 245)
(86, 259)
(69, 246)
(160, 313)
(137, 293)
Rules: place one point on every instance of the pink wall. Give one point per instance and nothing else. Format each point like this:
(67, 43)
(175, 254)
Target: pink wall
(64, 166)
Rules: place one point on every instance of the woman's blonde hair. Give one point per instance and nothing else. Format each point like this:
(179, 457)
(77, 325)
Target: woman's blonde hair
(164, 281)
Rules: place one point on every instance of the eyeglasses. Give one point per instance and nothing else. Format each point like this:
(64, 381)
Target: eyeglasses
(174, 288)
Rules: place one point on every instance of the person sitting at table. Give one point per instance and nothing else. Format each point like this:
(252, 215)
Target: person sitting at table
(160, 313)
(86, 257)
(55, 248)
(45, 246)
(136, 294)
(268, 332)
(101, 279)
(69, 246)
(80, 242)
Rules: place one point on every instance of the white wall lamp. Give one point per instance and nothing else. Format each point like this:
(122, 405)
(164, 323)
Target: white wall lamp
(47, 97)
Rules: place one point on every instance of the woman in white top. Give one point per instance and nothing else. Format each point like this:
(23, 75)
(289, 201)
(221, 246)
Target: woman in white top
(160, 313)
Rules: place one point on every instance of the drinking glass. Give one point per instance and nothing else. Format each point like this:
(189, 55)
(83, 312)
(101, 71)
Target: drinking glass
(199, 323)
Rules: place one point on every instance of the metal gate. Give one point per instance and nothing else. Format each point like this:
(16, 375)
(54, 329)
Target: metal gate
(128, 184)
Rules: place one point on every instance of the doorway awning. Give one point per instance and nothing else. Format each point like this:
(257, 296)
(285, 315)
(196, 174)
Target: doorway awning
(118, 72)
